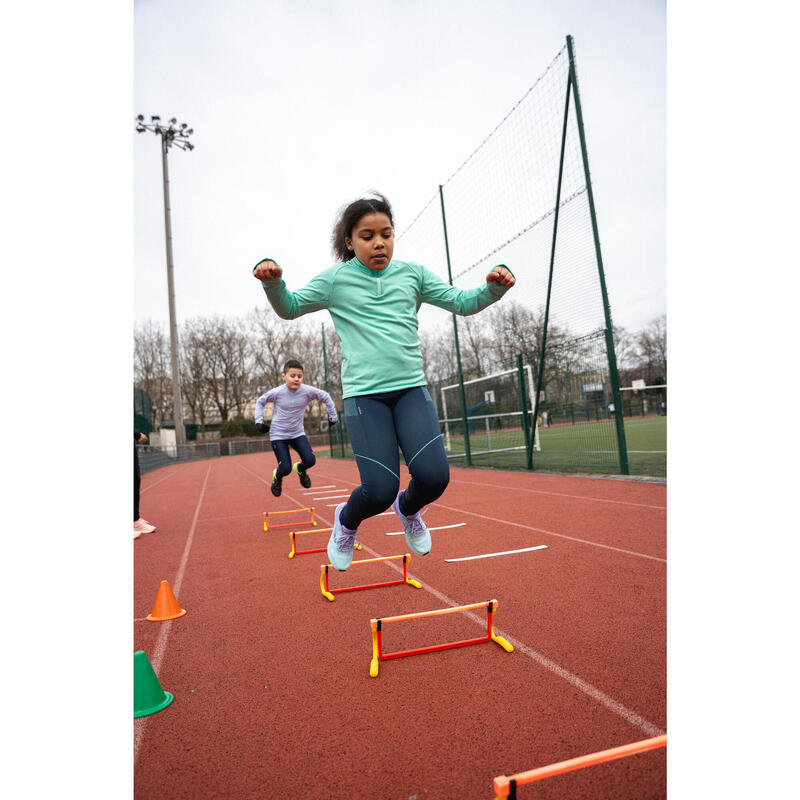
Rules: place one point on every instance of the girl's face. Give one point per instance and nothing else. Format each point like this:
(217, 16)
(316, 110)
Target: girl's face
(373, 240)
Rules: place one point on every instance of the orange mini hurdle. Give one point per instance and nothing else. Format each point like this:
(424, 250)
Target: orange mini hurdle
(376, 624)
(296, 552)
(268, 514)
(506, 785)
(329, 593)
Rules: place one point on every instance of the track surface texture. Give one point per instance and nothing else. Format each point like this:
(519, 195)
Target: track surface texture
(273, 697)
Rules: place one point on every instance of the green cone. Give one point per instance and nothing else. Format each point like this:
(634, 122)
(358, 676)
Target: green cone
(148, 696)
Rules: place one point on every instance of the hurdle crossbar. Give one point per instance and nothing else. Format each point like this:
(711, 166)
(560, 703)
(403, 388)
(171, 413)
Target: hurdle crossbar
(268, 514)
(377, 642)
(329, 593)
(506, 785)
(296, 552)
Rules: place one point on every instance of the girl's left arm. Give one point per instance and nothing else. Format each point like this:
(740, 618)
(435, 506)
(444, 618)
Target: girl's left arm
(465, 301)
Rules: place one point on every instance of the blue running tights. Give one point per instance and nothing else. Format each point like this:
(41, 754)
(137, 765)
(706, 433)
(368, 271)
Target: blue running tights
(377, 425)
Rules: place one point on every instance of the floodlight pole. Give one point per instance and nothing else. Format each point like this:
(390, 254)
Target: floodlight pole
(169, 136)
(177, 403)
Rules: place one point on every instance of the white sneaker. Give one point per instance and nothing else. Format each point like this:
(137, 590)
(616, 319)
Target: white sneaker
(143, 526)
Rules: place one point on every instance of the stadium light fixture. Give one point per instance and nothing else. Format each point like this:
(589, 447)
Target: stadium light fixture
(180, 138)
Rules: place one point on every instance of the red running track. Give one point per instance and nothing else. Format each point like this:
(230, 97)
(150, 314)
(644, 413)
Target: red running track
(273, 697)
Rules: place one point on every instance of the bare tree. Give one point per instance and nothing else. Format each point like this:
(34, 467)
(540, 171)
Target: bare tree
(192, 362)
(271, 339)
(152, 368)
(651, 343)
(438, 353)
(226, 351)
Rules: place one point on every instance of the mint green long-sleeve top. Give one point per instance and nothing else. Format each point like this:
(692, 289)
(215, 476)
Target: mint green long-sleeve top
(375, 315)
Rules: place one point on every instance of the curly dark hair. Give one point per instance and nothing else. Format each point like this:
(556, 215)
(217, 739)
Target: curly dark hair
(348, 217)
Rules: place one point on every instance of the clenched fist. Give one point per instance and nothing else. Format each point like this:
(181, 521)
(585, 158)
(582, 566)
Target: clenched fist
(502, 275)
(267, 270)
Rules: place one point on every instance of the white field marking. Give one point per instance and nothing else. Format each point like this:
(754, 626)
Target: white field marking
(552, 533)
(584, 686)
(325, 521)
(504, 553)
(612, 705)
(331, 496)
(439, 528)
(559, 494)
(313, 491)
(166, 477)
(382, 514)
(233, 516)
(140, 724)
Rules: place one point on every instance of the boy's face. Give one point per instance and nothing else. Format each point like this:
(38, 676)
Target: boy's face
(293, 377)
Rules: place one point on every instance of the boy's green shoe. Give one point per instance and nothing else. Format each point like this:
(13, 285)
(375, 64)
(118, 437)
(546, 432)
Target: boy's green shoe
(305, 481)
(276, 483)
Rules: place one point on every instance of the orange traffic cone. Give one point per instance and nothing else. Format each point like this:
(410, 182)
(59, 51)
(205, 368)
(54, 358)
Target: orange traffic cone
(166, 606)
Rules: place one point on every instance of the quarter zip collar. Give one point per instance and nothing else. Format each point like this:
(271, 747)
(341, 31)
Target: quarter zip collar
(374, 273)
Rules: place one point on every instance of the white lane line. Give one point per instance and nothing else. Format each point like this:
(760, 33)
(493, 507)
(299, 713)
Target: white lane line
(382, 514)
(504, 553)
(584, 686)
(552, 533)
(291, 499)
(558, 494)
(331, 497)
(313, 491)
(439, 528)
(232, 516)
(160, 646)
(165, 478)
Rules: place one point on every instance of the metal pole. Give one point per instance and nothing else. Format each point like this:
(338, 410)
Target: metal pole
(612, 358)
(177, 405)
(327, 387)
(463, 395)
(540, 376)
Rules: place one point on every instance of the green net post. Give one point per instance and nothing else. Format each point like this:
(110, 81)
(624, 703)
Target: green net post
(467, 451)
(612, 358)
(542, 349)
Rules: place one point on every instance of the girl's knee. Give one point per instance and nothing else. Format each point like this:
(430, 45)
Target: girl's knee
(435, 481)
(381, 495)
(310, 461)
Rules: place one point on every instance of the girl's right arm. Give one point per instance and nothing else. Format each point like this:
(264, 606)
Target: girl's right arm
(289, 305)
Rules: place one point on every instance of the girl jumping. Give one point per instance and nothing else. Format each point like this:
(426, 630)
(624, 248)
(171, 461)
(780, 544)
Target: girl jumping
(373, 301)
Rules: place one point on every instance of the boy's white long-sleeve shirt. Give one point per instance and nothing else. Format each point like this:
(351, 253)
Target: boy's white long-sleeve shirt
(289, 407)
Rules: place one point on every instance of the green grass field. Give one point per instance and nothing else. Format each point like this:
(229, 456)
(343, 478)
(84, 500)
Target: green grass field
(587, 447)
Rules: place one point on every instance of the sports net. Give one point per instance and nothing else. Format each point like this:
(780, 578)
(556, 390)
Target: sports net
(499, 207)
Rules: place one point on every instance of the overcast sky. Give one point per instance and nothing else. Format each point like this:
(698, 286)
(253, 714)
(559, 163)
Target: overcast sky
(255, 186)
(299, 107)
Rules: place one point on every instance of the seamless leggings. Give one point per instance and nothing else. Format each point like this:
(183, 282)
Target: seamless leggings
(377, 425)
(301, 446)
